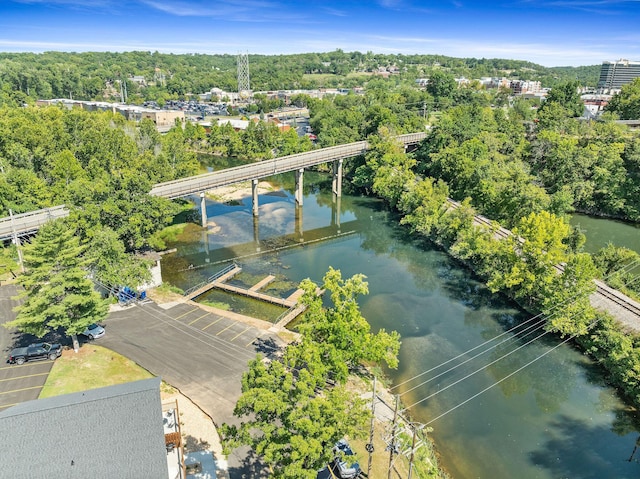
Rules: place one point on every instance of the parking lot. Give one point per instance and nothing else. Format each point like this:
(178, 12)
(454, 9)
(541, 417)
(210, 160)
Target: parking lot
(17, 383)
(201, 353)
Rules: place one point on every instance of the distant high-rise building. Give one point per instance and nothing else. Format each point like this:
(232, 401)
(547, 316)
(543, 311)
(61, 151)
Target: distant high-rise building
(615, 74)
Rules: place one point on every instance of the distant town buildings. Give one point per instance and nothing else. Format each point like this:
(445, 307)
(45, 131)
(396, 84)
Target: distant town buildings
(163, 119)
(613, 75)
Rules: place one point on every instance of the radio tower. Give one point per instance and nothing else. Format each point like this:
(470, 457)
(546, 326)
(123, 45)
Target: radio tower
(244, 88)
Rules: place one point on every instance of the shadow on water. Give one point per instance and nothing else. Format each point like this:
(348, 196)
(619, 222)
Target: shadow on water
(576, 442)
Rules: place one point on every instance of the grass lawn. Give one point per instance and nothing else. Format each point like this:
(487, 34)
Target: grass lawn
(91, 367)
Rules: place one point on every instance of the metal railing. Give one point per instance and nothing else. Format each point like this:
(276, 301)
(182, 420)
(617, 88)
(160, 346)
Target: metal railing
(265, 168)
(211, 279)
(25, 223)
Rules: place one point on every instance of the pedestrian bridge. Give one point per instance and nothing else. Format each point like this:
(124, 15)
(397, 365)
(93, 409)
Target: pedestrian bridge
(28, 223)
(265, 168)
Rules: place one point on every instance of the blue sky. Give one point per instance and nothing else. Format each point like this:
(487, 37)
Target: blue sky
(548, 32)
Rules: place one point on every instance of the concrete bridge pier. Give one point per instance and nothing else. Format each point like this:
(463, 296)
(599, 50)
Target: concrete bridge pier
(203, 210)
(336, 183)
(254, 196)
(299, 181)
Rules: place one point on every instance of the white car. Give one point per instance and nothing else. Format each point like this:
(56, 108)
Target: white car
(93, 331)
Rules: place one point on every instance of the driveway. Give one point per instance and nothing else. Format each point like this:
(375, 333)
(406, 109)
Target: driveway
(17, 383)
(200, 353)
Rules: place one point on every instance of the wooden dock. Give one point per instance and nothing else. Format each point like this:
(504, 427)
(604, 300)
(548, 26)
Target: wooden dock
(290, 316)
(286, 303)
(290, 302)
(262, 283)
(213, 284)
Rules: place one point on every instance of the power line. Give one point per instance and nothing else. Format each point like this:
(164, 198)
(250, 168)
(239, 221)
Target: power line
(499, 359)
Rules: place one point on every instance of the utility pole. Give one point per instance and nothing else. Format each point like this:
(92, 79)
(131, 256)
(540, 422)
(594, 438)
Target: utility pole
(392, 446)
(16, 240)
(369, 447)
(413, 447)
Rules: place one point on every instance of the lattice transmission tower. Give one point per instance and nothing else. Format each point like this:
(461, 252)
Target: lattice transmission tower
(244, 88)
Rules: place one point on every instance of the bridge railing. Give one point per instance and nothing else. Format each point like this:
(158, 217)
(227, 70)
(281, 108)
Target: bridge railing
(25, 223)
(262, 169)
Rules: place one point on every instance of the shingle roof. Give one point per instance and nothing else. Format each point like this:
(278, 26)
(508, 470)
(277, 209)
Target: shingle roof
(109, 432)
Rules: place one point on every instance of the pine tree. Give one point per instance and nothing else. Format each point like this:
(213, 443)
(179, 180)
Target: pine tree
(57, 294)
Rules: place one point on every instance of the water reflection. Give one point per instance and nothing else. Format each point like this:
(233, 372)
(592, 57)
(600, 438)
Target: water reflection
(555, 418)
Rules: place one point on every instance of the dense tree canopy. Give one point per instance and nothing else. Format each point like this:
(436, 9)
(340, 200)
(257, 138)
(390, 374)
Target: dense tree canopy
(99, 75)
(292, 418)
(58, 295)
(626, 104)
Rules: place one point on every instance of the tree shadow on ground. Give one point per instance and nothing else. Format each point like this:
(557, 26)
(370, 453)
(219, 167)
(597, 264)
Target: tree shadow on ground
(192, 444)
(268, 347)
(244, 463)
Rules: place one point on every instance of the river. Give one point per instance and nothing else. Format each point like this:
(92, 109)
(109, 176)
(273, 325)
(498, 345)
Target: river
(600, 231)
(555, 418)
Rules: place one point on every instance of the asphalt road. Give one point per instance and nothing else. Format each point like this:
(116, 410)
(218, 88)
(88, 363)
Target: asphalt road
(201, 354)
(17, 383)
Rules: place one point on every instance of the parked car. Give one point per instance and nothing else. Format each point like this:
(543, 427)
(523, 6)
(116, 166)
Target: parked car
(93, 331)
(34, 352)
(341, 466)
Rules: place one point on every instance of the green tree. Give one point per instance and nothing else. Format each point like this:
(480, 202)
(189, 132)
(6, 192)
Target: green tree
(344, 332)
(109, 262)
(566, 95)
(58, 295)
(441, 86)
(626, 104)
(289, 424)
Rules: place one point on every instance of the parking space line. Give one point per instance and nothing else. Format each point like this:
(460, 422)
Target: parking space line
(250, 343)
(240, 334)
(188, 312)
(18, 390)
(211, 324)
(22, 377)
(16, 366)
(206, 314)
(8, 405)
(220, 332)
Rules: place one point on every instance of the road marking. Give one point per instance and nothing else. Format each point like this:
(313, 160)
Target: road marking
(219, 333)
(22, 377)
(211, 324)
(206, 314)
(250, 343)
(15, 366)
(188, 312)
(240, 334)
(23, 389)
(8, 405)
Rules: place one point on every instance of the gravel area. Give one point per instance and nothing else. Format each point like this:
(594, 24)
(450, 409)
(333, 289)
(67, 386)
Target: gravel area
(198, 430)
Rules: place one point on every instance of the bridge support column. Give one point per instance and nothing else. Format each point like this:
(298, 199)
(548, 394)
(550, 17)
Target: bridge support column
(203, 210)
(336, 183)
(254, 196)
(299, 194)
